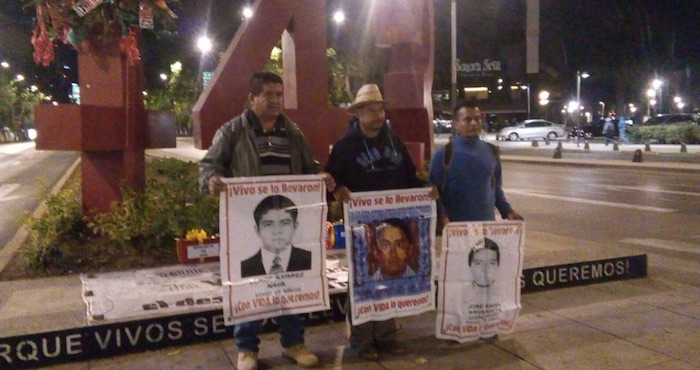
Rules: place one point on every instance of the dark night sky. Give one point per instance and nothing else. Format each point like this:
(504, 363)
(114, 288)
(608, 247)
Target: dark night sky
(637, 37)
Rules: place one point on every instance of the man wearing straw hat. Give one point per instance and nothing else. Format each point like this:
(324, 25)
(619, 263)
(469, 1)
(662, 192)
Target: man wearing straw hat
(371, 158)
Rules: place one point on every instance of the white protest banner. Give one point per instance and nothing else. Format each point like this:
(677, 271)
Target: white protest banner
(479, 279)
(273, 247)
(135, 294)
(390, 241)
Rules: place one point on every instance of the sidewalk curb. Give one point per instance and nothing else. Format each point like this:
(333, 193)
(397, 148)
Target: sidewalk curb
(655, 166)
(23, 233)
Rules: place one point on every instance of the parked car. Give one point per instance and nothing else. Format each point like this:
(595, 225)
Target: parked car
(532, 129)
(672, 119)
(442, 123)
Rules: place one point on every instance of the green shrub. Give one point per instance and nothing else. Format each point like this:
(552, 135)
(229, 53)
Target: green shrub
(61, 224)
(142, 225)
(670, 134)
(170, 205)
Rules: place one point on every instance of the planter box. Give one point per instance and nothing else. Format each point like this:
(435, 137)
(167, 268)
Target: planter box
(192, 251)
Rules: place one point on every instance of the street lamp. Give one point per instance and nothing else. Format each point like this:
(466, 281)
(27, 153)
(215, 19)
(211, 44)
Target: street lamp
(163, 76)
(544, 97)
(602, 109)
(339, 17)
(579, 76)
(247, 12)
(651, 93)
(527, 87)
(204, 44)
(5, 64)
(656, 84)
(19, 78)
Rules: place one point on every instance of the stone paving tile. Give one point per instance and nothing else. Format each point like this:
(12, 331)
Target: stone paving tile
(672, 334)
(670, 365)
(687, 309)
(476, 355)
(581, 302)
(602, 309)
(327, 341)
(71, 366)
(42, 322)
(650, 291)
(531, 319)
(209, 355)
(576, 346)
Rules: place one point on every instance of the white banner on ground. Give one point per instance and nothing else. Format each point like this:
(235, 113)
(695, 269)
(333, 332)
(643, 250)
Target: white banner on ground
(390, 240)
(135, 294)
(170, 290)
(273, 247)
(479, 279)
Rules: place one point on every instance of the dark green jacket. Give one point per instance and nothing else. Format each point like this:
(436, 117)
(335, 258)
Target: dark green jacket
(233, 152)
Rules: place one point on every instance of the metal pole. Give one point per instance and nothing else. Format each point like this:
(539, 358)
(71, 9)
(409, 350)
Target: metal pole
(578, 105)
(528, 101)
(453, 87)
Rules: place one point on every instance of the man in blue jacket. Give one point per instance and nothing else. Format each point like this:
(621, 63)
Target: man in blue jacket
(467, 173)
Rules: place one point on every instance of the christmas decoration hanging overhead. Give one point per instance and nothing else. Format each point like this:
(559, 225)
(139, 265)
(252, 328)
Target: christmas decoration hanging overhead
(86, 23)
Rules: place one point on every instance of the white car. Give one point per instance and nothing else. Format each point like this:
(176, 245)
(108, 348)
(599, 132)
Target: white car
(532, 129)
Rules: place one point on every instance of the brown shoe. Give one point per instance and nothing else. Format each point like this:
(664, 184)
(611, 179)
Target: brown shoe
(301, 355)
(247, 360)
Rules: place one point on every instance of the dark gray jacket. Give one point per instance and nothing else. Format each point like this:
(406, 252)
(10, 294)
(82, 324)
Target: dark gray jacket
(233, 152)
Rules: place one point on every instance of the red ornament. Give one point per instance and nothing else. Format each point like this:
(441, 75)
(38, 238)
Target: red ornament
(43, 47)
(130, 47)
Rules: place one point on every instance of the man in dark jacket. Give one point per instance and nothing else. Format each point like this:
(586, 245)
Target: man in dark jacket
(371, 158)
(260, 142)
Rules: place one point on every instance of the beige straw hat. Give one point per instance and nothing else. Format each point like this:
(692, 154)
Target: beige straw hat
(367, 94)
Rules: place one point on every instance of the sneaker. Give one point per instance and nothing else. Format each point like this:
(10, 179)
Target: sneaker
(247, 360)
(301, 355)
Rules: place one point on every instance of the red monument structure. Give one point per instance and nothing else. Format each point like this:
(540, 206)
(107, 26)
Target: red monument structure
(110, 128)
(405, 26)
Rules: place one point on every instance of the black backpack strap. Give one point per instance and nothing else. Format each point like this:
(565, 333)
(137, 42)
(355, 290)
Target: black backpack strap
(447, 157)
(496, 155)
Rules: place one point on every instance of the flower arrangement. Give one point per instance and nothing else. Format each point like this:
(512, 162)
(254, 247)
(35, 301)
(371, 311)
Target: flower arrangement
(81, 22)
(197, 247)
(196, 234)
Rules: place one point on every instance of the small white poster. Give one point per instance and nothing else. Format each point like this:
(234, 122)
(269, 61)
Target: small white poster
(479, 279)
(273, 247)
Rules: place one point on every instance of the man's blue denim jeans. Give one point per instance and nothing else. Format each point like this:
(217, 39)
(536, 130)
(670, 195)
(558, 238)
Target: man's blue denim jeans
(291, 330)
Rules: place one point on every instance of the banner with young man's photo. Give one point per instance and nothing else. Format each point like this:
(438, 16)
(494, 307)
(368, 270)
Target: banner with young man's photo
(390, 241)
(479, 279)
(273, 247)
